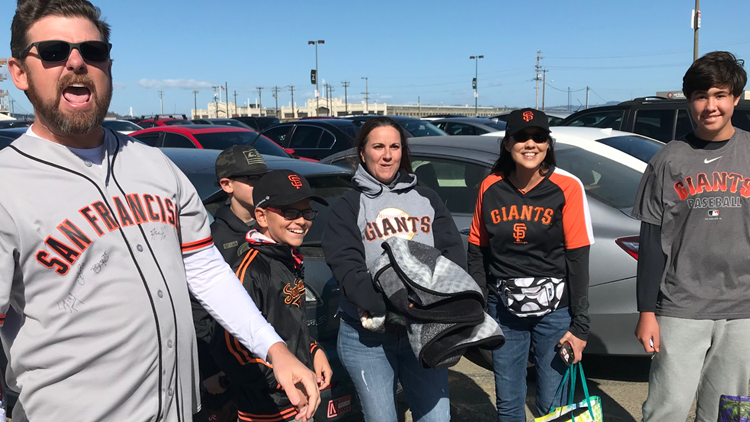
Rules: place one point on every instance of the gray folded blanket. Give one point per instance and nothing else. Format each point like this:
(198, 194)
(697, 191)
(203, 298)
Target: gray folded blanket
(442, 305)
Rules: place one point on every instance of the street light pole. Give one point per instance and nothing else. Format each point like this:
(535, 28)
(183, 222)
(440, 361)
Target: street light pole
(317, 74)
(476, 83)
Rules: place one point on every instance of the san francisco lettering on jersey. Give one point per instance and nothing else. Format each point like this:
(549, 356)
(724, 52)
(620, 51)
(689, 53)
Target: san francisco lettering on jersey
(100, 216)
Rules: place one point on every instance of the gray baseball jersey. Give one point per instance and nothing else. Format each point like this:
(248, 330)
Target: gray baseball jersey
(701, 200)
(92, 280)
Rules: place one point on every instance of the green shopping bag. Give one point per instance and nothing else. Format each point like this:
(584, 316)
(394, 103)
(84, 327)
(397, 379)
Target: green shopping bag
(588, 410)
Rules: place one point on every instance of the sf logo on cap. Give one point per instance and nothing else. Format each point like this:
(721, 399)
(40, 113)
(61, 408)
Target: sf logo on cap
(296, 182)
(527, 115)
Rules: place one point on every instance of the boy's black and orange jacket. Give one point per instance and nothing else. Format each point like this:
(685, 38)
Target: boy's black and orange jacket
(273, 276)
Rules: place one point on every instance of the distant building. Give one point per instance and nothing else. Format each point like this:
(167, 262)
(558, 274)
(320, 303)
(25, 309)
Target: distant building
(339, 108)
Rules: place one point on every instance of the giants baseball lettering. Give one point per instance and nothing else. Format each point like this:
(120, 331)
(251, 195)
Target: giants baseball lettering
(152, 208)
(528, 213)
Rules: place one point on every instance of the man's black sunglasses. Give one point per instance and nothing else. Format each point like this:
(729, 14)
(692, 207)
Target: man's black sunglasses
(55, 51)
(538, 137)
(293, 214)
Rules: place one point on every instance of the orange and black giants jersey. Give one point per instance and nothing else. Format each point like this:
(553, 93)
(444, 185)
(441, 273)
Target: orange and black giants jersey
(527, 234)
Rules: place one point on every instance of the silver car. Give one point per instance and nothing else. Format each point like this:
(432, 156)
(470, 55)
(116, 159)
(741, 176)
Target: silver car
(455, 167)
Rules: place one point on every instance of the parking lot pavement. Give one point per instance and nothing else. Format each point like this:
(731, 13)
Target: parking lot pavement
(621, 382)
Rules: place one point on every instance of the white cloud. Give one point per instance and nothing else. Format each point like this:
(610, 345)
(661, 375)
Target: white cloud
(173, 83)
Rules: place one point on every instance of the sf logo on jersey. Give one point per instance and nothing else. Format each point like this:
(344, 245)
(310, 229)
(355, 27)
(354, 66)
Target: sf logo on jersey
(519, 233)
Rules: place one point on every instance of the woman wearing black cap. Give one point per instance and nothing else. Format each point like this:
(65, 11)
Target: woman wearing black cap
(529, 249)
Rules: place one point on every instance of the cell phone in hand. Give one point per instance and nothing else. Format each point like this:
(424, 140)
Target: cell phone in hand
(566, 353)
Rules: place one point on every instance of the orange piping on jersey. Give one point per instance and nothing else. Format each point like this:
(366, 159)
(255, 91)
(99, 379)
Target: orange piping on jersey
(228, 339)
(281, 416)
(197, 245)
(242, 269)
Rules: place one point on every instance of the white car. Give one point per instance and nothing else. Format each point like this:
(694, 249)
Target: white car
(123, 126)
(638, 146)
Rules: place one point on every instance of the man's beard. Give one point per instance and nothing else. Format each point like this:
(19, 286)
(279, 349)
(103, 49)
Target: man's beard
(77, 122)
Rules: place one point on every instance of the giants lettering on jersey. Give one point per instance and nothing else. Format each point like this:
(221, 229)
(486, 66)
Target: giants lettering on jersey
(528, 213)
(720, 182)
(396, 222)
(140, 209)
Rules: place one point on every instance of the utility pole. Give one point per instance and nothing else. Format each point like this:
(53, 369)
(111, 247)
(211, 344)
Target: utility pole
(419, 107)
(544, 85)
(367, 95)
(476, 82)
(226, 98)
(538, 68)
(291, 88)
(346, 99)
(317, 74)
(161, 101)
(260, 100)
(568, 99)
(696, 25)
(330, 100)
(587, 97)
(216, 99)
(195, 100)
(276, 96)
(235, 102)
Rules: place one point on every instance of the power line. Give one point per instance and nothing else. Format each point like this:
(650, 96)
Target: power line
(600, 97)
(658, 66)
(565, 90)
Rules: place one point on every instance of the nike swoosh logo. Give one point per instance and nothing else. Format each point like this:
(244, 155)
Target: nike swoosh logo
(707, 161)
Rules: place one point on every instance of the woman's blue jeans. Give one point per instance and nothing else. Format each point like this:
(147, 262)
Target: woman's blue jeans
(509, 361)
(376, 362)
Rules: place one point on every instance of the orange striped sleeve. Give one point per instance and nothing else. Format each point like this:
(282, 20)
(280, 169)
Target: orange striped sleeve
(194, 246)
(576, 217)
(478, 235)
(274, 417)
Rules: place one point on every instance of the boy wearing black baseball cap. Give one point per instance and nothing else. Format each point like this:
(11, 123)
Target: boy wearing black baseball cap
(237, 169)
(271, 271)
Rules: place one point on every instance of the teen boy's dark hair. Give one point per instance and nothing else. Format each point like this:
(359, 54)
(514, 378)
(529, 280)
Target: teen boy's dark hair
(30, 11)
(715, 69)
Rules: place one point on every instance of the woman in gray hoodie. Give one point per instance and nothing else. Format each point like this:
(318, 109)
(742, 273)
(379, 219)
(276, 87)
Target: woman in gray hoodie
(386, 202)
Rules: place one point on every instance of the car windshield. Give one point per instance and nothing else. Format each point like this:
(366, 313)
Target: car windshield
(224, 140)
(637, 146)
(606, 180)
(421, 128)
(120, 126)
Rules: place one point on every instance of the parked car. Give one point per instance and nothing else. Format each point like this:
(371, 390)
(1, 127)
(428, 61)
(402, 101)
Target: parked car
(339, 402)
(432, 117)
(258, 123)
(221, 122)
(455, 167)
(9, 135)
(208, 137)
(123, 126)
(5, 124)
(554, 118)
(163, 120)
(414, 127)
(468, 125)
(656, 117)
(639, 146)
(314, 139)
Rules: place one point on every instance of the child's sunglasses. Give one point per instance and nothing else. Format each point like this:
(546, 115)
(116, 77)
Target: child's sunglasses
(58, 51)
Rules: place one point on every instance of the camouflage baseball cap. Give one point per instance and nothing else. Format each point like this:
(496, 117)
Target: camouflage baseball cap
(240, 160)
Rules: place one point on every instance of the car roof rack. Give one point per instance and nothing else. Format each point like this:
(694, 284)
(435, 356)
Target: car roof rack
(164, 116)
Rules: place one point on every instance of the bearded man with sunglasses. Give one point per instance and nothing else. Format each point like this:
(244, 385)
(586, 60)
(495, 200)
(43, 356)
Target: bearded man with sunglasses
(100, 238)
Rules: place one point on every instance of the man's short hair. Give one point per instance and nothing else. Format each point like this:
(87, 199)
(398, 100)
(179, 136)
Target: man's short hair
(718, 69)
(30, 11)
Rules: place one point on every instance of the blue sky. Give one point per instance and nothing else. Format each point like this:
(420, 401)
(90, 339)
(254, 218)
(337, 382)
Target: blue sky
(407, 49)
